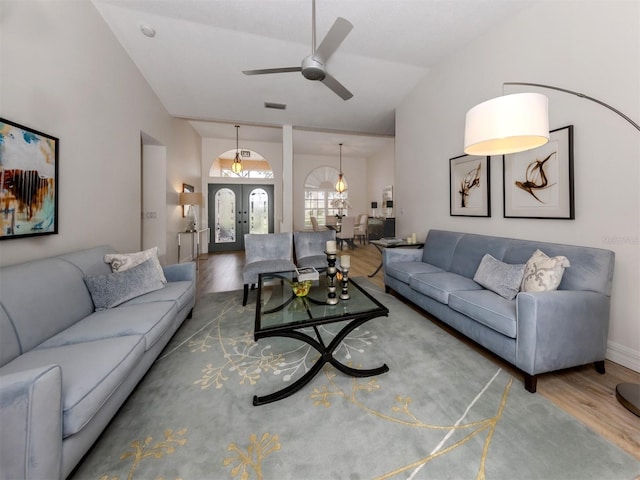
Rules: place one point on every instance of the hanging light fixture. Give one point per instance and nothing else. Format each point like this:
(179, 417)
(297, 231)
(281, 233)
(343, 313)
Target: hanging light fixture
(341, 185)
(237, 164)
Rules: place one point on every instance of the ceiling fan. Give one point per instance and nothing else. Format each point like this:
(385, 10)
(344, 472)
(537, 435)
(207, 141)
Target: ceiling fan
(313, 66)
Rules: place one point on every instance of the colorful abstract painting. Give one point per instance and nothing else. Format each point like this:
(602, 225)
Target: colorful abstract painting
(28, 182)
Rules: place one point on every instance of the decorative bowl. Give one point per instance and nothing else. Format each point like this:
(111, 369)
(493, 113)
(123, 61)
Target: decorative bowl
(301, 289)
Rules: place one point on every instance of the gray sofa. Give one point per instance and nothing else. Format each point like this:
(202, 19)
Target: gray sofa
(537, 332)
(66, 369)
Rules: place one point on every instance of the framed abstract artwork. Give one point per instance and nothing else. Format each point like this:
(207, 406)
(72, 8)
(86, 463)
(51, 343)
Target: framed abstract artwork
(28, 182)
(538, 183)
(186, 188)
(469, 186)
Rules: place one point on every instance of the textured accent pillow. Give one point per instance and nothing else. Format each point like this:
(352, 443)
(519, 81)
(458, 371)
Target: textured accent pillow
(112, 289)
(124, 261)
(499, 277)
(543, 273)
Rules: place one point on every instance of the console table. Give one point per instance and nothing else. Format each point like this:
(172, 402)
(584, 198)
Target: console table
(194, 237)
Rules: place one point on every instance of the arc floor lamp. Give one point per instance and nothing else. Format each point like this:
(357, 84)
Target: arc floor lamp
(519, 122)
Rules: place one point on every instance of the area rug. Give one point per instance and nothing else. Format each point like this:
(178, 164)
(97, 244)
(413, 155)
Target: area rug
(443, 411)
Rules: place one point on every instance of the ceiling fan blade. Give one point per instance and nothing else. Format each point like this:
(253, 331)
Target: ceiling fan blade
(338, 32)
(272, 70)
(337, 87)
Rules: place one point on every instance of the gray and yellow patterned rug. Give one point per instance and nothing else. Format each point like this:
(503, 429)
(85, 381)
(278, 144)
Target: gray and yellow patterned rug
(443, 411)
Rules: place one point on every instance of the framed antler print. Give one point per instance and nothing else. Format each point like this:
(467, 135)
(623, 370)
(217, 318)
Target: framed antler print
(538, 183)
(469, 186)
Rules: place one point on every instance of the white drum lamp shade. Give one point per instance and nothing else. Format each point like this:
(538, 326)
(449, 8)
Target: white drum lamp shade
(507, 124)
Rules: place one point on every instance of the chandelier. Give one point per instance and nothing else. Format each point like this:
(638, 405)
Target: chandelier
(341, 185)
(237, 164)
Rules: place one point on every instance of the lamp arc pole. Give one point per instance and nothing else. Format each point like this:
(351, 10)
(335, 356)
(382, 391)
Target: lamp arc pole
(578, 94)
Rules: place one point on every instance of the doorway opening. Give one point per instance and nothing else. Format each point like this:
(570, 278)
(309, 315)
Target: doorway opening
(236, 209)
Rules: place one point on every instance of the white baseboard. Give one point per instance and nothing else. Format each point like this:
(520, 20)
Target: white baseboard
(624, 356)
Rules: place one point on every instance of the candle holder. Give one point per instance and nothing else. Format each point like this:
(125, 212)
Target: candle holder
(345, 284)
(331, 276)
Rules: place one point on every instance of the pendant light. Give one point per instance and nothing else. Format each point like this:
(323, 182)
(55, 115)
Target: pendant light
(341, 185)
(237, 164)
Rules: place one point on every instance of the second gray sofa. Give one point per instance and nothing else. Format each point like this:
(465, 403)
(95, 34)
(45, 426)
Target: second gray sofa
(537, 332)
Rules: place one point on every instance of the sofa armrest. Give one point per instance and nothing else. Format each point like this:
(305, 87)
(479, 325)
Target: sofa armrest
(180, 272)
(560, 329)
(392, 255)
(31, 420)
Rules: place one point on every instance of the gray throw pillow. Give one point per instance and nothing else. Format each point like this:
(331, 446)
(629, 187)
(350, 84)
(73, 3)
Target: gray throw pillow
(112, 289)
(499, 277)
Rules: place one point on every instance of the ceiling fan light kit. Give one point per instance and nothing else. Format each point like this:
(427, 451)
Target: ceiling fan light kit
(313, 66)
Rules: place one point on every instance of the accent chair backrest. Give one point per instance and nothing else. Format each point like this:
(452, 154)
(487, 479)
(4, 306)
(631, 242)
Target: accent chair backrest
(268, 246)
(310, 244)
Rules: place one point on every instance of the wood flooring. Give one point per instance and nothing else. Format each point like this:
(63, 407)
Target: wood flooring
(581, 392)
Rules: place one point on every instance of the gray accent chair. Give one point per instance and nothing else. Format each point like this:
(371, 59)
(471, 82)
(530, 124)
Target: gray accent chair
(66, 369)
(537, 332)
(265, 253)
(310, 248)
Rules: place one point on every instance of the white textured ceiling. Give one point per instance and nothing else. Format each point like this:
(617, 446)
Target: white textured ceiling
(194, 63)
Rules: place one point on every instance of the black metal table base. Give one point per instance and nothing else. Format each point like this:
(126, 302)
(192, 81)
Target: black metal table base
(326, 356)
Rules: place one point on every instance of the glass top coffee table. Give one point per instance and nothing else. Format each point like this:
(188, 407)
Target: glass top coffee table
(280, 313)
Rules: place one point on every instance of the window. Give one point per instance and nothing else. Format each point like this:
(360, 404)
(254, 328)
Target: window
(319, 195)
(254, 165)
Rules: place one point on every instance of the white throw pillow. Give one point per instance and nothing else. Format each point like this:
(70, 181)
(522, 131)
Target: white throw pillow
(543, 273)
(121, 262)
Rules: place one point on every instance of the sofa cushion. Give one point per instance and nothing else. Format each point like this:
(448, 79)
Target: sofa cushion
(149, 320)
(499, 277)
(108, 291)
(486, 308)
(91, 372)
(543, 274)
(439, 285)
(43, 297)
(404, 270)
(121, 262)
(180, 292)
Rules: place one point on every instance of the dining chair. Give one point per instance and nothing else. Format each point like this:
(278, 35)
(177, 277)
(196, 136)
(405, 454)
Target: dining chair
(360, 231)
(265, 253)
(314, 224)
(309, 248)
(347, 232)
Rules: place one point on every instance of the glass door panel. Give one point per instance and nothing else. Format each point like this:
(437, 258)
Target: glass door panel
(224, 206)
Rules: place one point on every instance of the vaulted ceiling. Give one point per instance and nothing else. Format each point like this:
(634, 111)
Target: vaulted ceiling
(194, 62)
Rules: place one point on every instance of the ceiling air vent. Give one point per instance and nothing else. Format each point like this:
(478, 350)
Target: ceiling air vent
(277, 106)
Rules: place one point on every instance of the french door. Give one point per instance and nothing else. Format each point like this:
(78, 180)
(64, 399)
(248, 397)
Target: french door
(238, 209)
